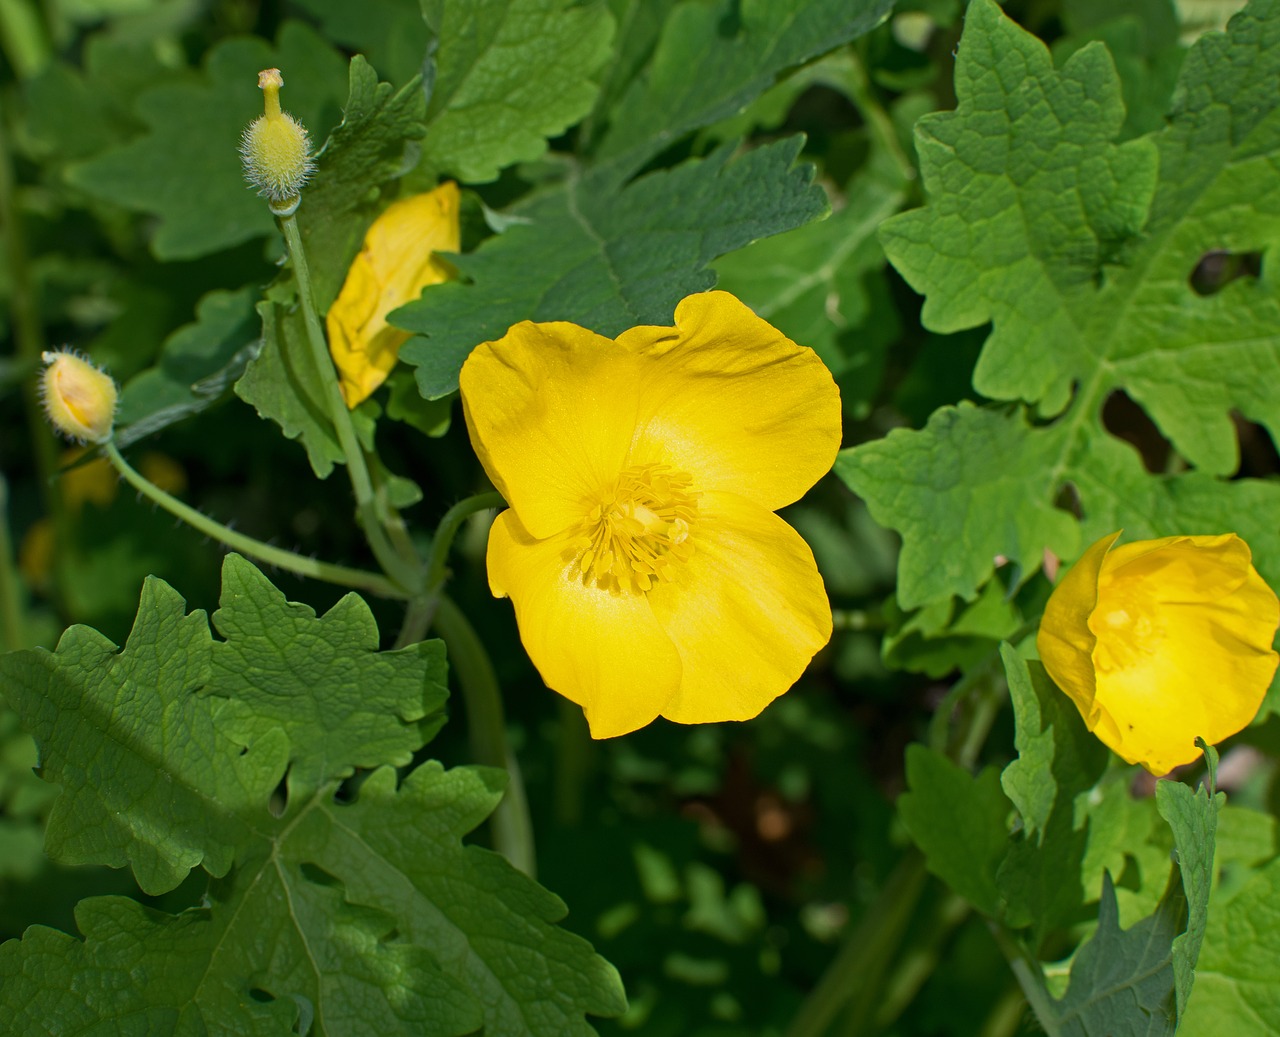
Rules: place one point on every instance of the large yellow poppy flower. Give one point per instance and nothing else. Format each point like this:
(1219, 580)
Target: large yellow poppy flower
(1159, 642)
(648, 571)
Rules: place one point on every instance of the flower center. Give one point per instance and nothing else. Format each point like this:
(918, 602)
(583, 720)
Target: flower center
(635, 536)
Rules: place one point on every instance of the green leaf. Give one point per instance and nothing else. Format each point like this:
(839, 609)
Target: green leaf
(283, 385)
(72, 114)
(391, 34)
(156, 772)
(337, 908)
(1193, 816)
(375, 144)
(714, 58)
(1235, 989)
(1058, 761)
(1138, 980)
(186, 169)
(277, 656)
(508, 74)
(945, 636)
(1142, 36)
(1082, 259)
(968, 461)
(134, 965)
(941, 488)
(1122, 980)
(812, 284)
(197, 366)
(1058, 757)
(608, 259)
(960, 821)
(399, 850)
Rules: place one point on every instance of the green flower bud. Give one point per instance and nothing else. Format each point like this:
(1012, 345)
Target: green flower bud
(276, 150)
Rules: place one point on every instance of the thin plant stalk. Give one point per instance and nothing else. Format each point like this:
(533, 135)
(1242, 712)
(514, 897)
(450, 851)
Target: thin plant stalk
(404, 570)
(512, 826)
(875, 938)
(374, 583)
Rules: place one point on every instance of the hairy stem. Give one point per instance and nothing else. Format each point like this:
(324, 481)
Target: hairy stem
(358, 579)
(512, 827)
(405, 571)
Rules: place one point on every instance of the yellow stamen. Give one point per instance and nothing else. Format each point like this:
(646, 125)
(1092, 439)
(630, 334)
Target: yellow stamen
(633, 537)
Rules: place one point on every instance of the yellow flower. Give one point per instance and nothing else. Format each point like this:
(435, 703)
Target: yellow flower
(79, 399)
(397, 261)
(648, 571)
(1159, 642)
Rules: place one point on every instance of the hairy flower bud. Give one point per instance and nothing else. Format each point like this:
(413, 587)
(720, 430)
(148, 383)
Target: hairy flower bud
(276, 150)
(79, 399)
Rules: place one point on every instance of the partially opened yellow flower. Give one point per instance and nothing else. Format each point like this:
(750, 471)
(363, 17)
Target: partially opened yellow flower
(397, 261)
(1159, 642)
(648, 571)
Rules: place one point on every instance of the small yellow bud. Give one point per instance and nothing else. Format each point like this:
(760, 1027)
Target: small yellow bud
(276, 150)
(79, 399)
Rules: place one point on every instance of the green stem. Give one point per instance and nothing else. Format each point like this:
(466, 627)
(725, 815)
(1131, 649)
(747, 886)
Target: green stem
(374, 583)
(448, 529)
(979, 676)
(403, 570)
(512, 828)
(417, 621)
(919, 959)
(12, 635)
(1030, 977)
(22, 37)
(874, 940)
(575, 753)
(878, 121)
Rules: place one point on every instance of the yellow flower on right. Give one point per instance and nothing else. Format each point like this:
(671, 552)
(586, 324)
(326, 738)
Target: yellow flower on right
(1160, 642)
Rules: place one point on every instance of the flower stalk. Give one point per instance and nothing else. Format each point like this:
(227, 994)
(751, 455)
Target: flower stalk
(512, 826)
(357, 579)
(404, 570)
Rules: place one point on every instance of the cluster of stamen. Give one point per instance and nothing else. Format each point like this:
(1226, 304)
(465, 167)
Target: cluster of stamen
(638, 533)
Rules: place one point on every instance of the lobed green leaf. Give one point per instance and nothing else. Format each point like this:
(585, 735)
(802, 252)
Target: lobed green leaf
(608, 258)
(1081, 252)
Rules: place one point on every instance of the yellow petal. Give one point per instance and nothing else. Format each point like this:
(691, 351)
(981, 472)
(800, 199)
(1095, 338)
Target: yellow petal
(746, 612)
(1184, 627)
(731, 400)
(551, 409)
(1065, 642)
(604, 651)
(395, 264)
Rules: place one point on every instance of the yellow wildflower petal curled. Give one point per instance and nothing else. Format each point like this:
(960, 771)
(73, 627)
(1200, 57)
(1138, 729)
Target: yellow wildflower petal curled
(398, 260)
(1159, 642)
(79, 399)
(648, 572)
